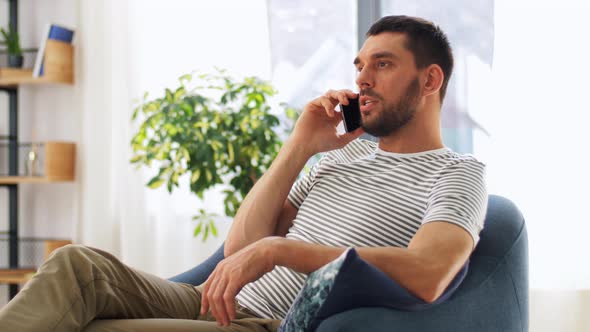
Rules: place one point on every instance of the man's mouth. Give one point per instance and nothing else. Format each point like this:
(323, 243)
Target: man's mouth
(366, 104)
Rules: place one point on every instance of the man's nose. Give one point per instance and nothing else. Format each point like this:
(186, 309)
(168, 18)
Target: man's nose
(364, 80)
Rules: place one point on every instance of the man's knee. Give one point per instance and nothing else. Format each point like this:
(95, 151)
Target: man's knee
(76, 254)
(70, 250)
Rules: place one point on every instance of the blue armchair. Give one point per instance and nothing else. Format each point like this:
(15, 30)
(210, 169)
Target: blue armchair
(493, 296)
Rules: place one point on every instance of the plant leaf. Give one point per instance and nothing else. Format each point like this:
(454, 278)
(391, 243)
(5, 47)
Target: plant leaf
(155, 182)
(196, 175)
(198, 229)
(213, 228)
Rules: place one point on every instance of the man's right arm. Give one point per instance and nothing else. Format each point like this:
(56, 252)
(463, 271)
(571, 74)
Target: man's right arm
(266, 211)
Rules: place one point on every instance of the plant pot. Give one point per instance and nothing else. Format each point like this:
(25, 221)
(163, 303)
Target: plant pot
(15, 61)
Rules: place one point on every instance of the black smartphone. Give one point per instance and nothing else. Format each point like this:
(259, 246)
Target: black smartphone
(351, 114)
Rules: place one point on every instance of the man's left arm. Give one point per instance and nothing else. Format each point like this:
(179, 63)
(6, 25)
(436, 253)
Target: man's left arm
(425, 268)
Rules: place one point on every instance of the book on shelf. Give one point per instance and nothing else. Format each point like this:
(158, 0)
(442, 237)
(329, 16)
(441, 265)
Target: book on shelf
(54, 32)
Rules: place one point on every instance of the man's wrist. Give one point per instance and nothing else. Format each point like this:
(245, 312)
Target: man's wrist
(272, 248)
(299, 148)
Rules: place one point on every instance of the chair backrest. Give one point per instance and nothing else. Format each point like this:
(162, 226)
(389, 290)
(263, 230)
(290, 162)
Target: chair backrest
(492, 297)
(504, 235)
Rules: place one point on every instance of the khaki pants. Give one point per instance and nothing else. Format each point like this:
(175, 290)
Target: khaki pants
(78, 284)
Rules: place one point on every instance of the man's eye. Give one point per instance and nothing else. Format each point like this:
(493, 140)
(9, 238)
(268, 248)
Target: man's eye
(359, 69)
(382, 64)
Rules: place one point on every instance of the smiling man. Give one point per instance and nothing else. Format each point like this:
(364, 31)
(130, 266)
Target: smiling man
(410, 206)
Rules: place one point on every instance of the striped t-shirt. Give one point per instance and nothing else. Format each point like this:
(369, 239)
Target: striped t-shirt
(362, 196)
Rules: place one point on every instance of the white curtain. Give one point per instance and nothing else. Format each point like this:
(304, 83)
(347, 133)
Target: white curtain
(127, 48)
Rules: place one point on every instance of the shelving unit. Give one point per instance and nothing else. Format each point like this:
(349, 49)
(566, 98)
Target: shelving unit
(58, 63)
(59, 157)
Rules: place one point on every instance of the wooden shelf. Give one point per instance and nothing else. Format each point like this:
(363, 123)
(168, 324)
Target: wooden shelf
(31, 179)
(58, 64)
(16, 276)
(12, 77)
(59, 165)
(22, 275)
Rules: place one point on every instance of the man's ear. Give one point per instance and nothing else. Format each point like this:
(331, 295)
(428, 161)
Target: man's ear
(434, 77)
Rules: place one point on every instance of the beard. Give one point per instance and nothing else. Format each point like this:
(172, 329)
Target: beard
(394, 115)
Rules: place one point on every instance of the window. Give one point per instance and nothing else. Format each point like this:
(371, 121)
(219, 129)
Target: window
(313, 44)
(470, 29)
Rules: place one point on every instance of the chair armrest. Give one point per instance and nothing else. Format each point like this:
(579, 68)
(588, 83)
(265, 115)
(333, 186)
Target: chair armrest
(199, 274)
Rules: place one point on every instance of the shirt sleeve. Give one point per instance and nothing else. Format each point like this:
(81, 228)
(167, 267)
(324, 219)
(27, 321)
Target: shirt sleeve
(303, 186)
(460, 197)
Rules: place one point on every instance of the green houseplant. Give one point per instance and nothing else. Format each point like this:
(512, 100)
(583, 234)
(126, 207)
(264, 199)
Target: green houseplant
(11, 41)
(214, 129)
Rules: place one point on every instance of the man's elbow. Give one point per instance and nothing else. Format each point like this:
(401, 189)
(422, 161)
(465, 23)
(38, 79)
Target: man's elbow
(433, 281)
(231, 246)
(236, 239)
(432, 284)
(430, 292)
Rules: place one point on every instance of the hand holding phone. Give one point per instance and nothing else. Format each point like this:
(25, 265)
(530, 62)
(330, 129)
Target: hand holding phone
(351, 114)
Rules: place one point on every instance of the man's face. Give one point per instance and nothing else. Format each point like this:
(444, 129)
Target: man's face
(388, 84)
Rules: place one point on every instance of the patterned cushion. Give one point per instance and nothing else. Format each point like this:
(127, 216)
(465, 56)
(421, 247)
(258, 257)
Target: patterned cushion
(349, 282)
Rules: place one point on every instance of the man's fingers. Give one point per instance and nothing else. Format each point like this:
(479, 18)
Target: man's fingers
(229, 296)
(339, 96)
(327, 105)
(214, 303)
(332, 98)
(204, 297)
(350, 93)
(219, 305)
(229, 309)
(208, 291)
(204, 303)
(343, 96)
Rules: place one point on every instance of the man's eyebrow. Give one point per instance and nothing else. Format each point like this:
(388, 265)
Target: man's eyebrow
(378, 55)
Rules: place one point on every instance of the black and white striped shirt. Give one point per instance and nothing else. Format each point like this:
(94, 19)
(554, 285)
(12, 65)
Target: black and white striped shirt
(362, 196)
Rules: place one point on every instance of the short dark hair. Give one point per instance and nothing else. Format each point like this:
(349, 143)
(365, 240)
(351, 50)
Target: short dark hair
(427, 42)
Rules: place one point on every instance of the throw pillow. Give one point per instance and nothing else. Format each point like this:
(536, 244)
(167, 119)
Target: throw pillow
(349, 282)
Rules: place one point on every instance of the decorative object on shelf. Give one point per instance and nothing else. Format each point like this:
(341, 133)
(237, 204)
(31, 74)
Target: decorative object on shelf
(12, 42)
(226, 140)
(50, 162)
(32, 161)
(54, 32)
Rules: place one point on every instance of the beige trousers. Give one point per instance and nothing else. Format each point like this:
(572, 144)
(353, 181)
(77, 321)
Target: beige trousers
(84, 289)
